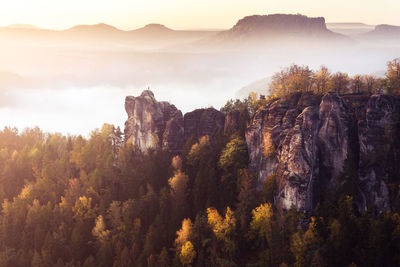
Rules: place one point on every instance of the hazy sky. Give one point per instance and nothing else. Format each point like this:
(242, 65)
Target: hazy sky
(129, 14)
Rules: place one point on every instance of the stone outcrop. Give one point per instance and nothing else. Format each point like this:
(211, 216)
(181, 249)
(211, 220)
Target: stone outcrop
(314, 147)
(202, 122)
(153, 124)
(377, 133)
(232, 122)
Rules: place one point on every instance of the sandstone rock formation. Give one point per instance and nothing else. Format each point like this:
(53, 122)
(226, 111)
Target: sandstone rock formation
(153, 124)
(314, 147)
(202, 122)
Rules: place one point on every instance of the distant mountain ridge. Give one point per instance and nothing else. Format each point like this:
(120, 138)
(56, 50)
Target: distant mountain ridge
(278, 29)
(279, 23)
(149, 36)
(386, 29)
(262, 30)
(91, 27)
(350, 28)
(22, 26)
(383, 33)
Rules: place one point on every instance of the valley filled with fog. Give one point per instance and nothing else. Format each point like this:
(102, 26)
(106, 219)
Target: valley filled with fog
(73, 81)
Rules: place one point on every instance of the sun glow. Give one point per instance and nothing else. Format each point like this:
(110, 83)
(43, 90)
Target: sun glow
(181, 14)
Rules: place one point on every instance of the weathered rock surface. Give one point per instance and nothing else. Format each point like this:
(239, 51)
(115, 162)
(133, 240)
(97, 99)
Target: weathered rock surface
(232, 122)
(315, 146)
(153, 124)
(376, 132)
(202, 122)
(297, 163)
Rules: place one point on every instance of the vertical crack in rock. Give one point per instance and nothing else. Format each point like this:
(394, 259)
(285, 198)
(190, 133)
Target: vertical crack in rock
(310, 187)
(325, 145)
(152, 124)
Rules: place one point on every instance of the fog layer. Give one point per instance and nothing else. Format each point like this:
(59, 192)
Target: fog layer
(76, 84)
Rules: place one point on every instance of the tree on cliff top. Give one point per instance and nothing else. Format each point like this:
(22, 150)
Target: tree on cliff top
(291, 80)
(393, 76)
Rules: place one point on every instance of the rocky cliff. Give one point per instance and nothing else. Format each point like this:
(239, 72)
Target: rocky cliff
(153, 124)
(316, 146)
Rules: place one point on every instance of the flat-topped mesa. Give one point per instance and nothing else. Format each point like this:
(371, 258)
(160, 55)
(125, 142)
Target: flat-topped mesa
(385, 28)
(264, 31)
(153, 124)
(281, 23)
(150, 120)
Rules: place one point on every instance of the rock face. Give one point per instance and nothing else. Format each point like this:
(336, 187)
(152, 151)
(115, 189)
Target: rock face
(153, 124)
(315, 146)
(203, 122)
(232, 122)
(377, 133)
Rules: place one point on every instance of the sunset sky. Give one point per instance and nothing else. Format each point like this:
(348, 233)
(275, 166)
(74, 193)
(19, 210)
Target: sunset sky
(181, 14)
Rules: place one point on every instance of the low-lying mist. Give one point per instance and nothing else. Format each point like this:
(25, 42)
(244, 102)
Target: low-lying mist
(75, 89)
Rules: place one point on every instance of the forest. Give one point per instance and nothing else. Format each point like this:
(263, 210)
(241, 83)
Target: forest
(99, 201)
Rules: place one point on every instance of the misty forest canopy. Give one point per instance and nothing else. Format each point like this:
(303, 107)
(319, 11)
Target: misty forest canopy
(99, 201)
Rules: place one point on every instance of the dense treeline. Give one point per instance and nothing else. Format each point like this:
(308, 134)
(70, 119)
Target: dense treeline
(302, 79)
(98, 201)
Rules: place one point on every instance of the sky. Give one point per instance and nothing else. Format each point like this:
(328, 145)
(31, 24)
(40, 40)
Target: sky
(187, 14)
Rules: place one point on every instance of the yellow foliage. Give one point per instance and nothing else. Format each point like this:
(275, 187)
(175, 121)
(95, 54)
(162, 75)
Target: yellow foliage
(269, 148)
(83, 208)
(298, 248)
(261, 221)
(222, 228)
(184, 234)
(178, 184)
(177, 162)
(311, 236)
(99, 230)
(26, 192)
(196, 148)
(187, 253)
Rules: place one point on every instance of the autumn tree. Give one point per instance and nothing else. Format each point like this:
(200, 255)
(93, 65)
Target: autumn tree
(187, 254)
(339, 82)
(246, 198)
(261, 229)
(290, 80)
(357, 84)
(184, 234)
(224, 229)
(372, 84)
(178, 185)
(233, 158)
(393, 76)
(321, 80)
